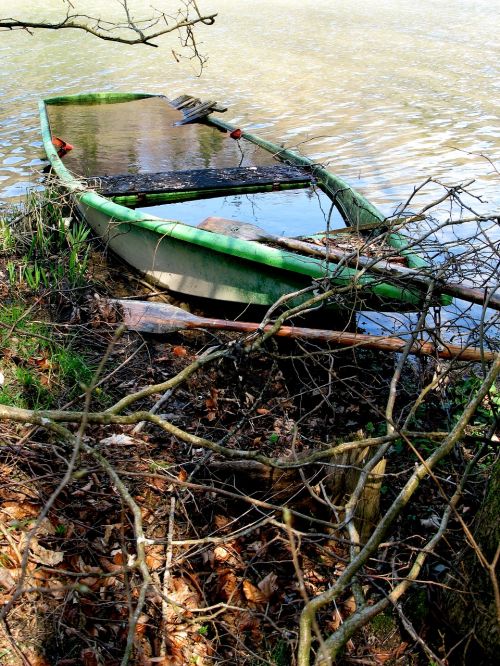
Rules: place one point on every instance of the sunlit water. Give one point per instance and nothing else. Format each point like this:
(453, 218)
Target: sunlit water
(385, 92)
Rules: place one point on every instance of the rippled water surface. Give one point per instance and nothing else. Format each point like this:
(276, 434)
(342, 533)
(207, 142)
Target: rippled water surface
(385, 92)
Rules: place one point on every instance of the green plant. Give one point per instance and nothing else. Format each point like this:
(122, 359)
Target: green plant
(7, 238)
(37, 395)
(462, 391)
(36, 363)
(55, 250)
(382, 624)
(73, 368)
(11, 272)
(280, 654)
(36, 276)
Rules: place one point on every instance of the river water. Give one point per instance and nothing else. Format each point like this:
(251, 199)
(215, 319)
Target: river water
(384, 92)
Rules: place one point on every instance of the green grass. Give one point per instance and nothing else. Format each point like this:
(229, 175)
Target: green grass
(44, 252)
(50, 246)
(37, 367)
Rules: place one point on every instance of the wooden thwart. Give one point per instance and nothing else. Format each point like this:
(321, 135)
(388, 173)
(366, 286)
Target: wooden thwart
(161, 318)
(200, 179)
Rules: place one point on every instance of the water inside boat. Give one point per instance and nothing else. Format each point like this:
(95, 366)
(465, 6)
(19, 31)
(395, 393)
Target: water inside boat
(140, 136)
(285, 213)
(119, 142)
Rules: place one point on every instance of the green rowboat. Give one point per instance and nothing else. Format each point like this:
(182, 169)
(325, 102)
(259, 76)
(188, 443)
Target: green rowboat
(145, 171)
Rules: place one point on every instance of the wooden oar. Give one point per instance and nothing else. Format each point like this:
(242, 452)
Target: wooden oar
(252, 232)
(160, 318)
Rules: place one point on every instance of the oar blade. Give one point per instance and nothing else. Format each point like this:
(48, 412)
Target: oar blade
(158, 318)
(235, 229)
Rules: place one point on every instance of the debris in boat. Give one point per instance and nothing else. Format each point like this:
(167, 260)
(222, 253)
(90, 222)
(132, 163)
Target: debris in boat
(194, 109)
(354, 243)
(200, 179)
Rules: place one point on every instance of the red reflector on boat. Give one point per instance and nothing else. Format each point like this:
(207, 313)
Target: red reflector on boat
(61, 146)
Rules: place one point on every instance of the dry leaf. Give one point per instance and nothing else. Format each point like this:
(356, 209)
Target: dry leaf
(221, 521)
(38, 660)
(17, 511)
(179, 351)
(120, 439)
(142, 623)
(268, 585)
(349, 606)
(50, 558)
(226, 555)
(228, 585)
(6, 579)
(155, 556)
(89, 657)
(252, 593)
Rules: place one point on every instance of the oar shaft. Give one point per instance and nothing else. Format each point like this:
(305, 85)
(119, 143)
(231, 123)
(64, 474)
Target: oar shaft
(353, 260)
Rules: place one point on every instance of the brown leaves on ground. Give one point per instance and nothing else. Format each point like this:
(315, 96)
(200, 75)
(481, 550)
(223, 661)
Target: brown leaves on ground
(229, 587)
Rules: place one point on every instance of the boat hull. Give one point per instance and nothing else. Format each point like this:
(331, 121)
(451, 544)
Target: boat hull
(194, 262)
(189, 269)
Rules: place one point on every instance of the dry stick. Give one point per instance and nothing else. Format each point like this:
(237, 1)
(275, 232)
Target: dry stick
(140, 548)
(33, 430)
(287, 518)
(77, 445)
(339, 638)
(140, 426)
(102, 29)
(166, 578)
(13, 642)
(402, 499)
(105, 418)
(432, 656)
(355, 621)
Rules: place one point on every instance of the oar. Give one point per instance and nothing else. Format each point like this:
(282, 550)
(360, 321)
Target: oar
(160, 318)
(252, 232)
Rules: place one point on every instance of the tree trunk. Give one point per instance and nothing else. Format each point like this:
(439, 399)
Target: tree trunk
(475, 612)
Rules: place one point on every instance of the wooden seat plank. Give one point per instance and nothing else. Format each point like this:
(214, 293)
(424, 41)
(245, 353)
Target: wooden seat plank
(199, 179)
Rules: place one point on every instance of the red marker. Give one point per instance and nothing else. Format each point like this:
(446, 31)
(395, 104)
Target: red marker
(236, 134)
(61, 146)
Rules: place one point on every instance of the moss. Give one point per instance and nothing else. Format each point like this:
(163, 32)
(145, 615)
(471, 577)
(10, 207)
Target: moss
(383, 624)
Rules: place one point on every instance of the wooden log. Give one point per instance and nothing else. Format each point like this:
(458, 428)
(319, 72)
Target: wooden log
(487, 296)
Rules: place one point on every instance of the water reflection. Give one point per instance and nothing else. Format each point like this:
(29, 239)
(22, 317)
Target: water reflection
(382, 91)
(141, 137)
